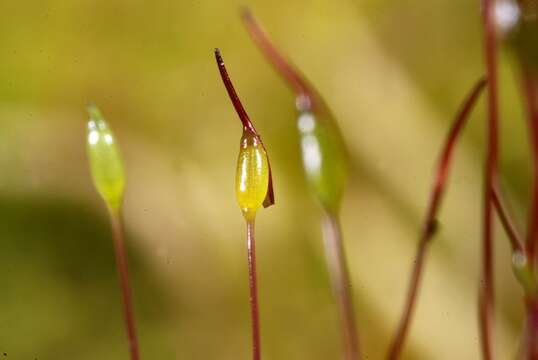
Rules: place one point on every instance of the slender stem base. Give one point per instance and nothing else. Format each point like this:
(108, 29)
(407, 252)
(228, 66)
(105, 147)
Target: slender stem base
(411, 299)
(253, 286)
(341, 284)
(123, 273)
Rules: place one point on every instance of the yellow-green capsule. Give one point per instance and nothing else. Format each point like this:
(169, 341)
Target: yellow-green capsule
(252, 177)
(105, 160)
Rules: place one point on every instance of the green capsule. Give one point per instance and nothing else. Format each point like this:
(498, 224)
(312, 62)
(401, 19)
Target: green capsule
(324, 158)
(105, 160)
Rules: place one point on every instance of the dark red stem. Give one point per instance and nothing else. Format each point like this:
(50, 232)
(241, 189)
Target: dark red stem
(341, 284)
(123, 273)
(429, 224)
(253, 286)
(508, 223)
(487, 292)
(307, 96)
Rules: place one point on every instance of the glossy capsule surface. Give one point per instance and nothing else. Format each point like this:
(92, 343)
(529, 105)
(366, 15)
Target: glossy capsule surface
(324, 159)
(105, 161)
(252, 176)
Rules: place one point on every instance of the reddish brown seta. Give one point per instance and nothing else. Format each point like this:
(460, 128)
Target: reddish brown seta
(428, 228)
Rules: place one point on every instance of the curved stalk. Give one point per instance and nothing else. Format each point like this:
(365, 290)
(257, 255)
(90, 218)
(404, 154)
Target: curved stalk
(341, 283)
(507, 222)
(429, 224)
(307, 97)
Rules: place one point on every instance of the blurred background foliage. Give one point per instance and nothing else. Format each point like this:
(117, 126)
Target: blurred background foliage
(394, 74)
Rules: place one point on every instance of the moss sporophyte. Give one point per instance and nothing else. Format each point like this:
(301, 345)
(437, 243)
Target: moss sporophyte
(254, 189)
(109, 179)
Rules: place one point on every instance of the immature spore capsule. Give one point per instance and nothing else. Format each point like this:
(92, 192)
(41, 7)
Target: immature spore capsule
(252, 177)
(253, 189)
(324, 158)
(105, 161)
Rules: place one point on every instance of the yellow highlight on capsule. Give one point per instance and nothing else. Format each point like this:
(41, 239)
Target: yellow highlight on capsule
(252, 177)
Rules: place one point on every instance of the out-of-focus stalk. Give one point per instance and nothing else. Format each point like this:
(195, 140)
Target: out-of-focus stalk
(336, 261)
(486, 285)
(522, 37)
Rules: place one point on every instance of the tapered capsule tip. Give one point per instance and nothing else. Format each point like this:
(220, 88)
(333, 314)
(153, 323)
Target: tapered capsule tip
(97, 122)
(94, 112)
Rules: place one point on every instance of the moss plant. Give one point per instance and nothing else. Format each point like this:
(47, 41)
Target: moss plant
(325, 165)
(254, 189)
(109, 179)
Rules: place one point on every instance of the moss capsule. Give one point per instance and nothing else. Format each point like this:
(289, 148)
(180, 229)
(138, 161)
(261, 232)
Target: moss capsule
(324, 159)
(252, 177)
(105, 160)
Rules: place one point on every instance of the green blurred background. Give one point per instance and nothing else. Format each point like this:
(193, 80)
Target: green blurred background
(394, 74)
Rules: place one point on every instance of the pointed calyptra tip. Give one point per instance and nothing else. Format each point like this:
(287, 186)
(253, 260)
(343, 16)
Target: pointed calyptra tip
(94, 112)
(241, 112)
(105, 161)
